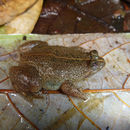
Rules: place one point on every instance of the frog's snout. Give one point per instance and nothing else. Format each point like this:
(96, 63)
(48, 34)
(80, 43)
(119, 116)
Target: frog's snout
(25, 79)
(101, 62)
(96, 62)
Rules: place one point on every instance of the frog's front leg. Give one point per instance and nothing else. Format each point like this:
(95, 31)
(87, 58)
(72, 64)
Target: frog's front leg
(70, 89)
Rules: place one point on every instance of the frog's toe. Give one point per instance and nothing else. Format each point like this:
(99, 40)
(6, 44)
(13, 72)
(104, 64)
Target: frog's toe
(38, 95)
(69, 89)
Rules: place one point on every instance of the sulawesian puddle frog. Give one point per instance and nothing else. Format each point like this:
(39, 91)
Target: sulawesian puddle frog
(53, 68)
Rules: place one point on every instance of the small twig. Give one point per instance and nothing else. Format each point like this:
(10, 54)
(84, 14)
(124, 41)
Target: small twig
(105, 90)
(92, 122)
(4, 79)
(85, 91)
(123, 86)
(21, 114)
(116, 48)
(7, 91)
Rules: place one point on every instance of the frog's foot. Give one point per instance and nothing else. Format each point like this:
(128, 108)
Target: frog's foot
(38, 95)
(29, 96)
(69, 89)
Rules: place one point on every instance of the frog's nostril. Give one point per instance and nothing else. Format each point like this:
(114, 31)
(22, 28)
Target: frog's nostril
(102, 60)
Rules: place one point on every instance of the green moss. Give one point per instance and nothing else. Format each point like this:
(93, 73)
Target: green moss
(127, 35)
(10, 41)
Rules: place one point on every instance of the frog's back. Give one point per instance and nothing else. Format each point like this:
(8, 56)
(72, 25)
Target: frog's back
(42, 48)
(57, 63)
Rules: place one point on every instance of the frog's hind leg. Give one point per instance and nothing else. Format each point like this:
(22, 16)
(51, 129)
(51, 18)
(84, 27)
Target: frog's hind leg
(70, 89)
(25, 79)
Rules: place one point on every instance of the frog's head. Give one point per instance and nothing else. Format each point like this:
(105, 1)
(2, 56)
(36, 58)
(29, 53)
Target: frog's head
(96, 62)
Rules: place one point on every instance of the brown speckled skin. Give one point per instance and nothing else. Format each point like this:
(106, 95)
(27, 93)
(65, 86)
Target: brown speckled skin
(52, 66)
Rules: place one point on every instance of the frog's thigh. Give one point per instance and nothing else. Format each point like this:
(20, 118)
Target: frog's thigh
(70, 89)
(25, 79)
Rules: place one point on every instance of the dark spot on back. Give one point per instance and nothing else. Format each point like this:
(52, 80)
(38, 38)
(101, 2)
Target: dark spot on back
(41, 110)
(107, 128)
(116, 42)
(24, 38)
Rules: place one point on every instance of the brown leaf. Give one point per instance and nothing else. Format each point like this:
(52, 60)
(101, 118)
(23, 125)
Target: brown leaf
(79, 16)
(9, 9)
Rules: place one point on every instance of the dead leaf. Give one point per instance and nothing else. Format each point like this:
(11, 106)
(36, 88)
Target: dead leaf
(9, 9)
(101, 110)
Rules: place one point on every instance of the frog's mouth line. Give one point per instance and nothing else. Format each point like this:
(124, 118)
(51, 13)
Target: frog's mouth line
(91, 72)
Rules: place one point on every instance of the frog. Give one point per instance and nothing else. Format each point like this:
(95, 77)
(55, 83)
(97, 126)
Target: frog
(53, 67)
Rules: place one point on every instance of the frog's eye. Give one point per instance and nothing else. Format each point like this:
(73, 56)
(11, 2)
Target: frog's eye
(94, 54)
